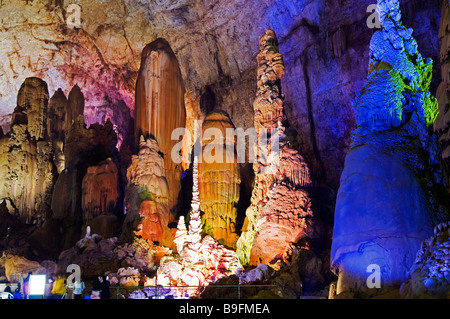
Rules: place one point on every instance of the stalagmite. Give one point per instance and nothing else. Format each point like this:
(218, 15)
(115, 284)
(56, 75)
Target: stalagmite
(28, 179)
(219, 171)
(195, 222)
(280, 210)
(159, 106)
(383, 212)
(146, 182)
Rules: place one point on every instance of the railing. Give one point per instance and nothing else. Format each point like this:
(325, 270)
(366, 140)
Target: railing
(213, 291)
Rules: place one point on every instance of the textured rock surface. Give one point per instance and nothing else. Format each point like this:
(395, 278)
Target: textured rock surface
(159, 107)
(323, 43)
(28, 157)
(429, 276)
(202, 259)
(442, 123)
(219, 180)
(98, 256)
(84, 147)
(20, 265)
(99, 190)
(147, 182)
(382, 209)
(280, 210)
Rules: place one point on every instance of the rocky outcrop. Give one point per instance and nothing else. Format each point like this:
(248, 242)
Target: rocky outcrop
(429, 276)
(442, 123)
(151, 227)
(147, 195)
(15, 265)
(84, 147)
(202, 259)
(99, 190)
(28, 169)
(159, 108)
(219, 179)
(280, 210)
(98, 256)
(383, 209)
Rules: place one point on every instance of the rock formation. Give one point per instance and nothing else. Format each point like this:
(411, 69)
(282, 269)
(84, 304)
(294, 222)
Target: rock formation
(99, 190)
(98, 256)
(202, 260)
(383, 211)
(147, 183)
(84, 147)
(191, 251)
(429, 276)
(159, 107)
(280, 210)
(442, 123)
(219, 179)
(28, 170)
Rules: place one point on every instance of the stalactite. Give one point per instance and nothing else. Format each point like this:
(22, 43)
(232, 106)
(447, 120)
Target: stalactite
(159, 106)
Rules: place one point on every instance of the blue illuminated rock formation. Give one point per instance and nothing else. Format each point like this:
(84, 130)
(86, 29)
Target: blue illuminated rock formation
(384, 208)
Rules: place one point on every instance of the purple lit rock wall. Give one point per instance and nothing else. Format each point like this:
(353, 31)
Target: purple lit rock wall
(324, 44)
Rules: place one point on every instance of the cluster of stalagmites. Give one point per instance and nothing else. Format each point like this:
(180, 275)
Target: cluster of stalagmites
(55, 170)
(202, 259)
(280, 211)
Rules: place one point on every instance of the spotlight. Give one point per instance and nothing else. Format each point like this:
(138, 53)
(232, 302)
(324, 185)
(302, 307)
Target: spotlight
(37, 285)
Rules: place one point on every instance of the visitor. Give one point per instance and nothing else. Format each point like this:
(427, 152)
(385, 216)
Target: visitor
(26, 283)
(78, 288)
(17, 294)
(95, 294)
(49, 288)
(105, 294)
(59, 288)
(8, 288)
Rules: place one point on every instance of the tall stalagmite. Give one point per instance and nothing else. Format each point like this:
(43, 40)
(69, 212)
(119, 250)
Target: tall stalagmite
(219, 179)
(62, 112)
(280, 210)
(159, 106)
(29, 170)
(382, 213)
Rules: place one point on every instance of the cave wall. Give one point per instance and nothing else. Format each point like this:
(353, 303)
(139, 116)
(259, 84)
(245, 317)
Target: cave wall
(215, 43)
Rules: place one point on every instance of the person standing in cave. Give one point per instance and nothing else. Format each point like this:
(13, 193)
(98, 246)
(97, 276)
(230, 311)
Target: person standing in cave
(105, 294)
(26, 284)
(78, 288)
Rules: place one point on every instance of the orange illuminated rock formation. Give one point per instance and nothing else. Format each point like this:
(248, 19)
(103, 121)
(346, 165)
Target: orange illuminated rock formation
(219, 180)
(159, 106)
(99, 190)
(147, 195)
(151, 227)
(280, 211)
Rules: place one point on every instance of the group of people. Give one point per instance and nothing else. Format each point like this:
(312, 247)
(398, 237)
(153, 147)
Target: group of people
(59, 289)
(16, 294)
